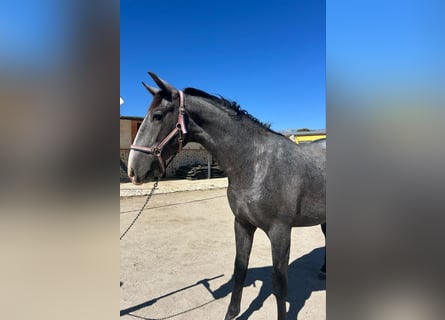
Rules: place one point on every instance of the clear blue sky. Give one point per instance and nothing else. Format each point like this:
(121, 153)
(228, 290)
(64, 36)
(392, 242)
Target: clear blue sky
(268, 56)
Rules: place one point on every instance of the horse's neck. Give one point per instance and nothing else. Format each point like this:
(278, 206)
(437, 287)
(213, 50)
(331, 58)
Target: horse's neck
(233, 141)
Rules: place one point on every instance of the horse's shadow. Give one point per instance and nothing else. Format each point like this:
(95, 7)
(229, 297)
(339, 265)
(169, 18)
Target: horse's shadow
(303, 280)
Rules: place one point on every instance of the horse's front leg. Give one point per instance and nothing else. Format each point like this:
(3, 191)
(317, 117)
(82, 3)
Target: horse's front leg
(243, 237)
(280, 240)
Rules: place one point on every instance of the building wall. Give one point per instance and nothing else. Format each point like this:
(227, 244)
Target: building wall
(134, 128)
(184, 158)
(125, 133)
(192, 154)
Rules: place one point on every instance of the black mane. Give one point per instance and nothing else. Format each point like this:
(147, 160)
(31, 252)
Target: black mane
(231, 105)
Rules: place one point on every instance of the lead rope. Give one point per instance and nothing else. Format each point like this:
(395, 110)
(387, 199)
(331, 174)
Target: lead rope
(155, 185)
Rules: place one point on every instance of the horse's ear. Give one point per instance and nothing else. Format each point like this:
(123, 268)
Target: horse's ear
(162, 84)
(152, 90)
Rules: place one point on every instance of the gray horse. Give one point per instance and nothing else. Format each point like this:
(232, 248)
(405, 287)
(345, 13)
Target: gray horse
(274, 184)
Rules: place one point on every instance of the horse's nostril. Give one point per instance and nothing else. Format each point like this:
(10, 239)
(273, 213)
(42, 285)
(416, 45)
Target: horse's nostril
(131, 173)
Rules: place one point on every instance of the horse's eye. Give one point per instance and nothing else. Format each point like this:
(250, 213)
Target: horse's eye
(157, 116)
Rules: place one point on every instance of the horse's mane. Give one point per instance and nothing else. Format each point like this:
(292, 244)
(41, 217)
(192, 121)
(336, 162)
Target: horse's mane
(231, 105)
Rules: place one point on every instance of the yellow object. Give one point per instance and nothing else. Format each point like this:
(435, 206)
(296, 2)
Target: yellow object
(309, 138)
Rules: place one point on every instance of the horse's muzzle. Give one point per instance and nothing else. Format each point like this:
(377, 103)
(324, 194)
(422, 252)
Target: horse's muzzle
(133, 178)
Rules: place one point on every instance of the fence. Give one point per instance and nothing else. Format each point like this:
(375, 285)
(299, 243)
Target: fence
(189, 156)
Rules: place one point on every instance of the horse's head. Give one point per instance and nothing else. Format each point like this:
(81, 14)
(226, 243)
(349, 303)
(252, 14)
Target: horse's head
(160, 136)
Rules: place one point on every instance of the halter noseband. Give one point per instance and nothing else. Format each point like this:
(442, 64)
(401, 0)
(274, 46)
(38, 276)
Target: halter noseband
(180, 129)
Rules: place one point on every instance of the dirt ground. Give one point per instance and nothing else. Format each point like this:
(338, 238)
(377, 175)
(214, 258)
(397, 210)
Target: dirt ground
(177, 262)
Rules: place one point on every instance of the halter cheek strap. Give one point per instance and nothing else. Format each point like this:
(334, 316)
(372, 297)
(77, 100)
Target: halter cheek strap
(181, 119)
(180, 130)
